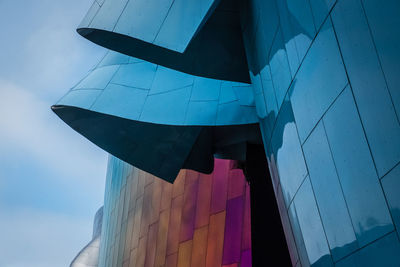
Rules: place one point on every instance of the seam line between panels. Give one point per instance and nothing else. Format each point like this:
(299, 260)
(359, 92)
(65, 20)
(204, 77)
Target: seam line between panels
(147, 96)
(120, 15)
(341, 188)
(296, 72)
(364, 132)
(323, 114)
(97, 98)
(162, 23)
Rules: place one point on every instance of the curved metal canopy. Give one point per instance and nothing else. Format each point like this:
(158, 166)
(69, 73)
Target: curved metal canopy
(199, 37)
(160, 117)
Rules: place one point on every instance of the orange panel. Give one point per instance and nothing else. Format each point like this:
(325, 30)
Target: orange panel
(166, 196)
(136, 223)
(162, 238)
(172, 260)
(151, 245)
(174, 225)
(129, 230)
(203, 200)
(156, 200)
(185, 253)
(215, 242)
(199, 251)
(141, 252)
(146, 210)
(179, 184)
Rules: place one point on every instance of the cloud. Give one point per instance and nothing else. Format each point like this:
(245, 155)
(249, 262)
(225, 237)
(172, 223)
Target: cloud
(29, 127)
(51, 178)
(38, 239)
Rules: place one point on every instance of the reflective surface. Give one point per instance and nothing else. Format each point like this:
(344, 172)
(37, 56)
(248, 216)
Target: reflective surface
(198, 37)
(142, 113)
(325, 93)
(324, 88)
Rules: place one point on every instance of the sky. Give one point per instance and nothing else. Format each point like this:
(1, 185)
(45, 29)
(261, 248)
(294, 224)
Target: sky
(51, 178)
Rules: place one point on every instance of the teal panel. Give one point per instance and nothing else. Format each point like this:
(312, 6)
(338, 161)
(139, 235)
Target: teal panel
(360, 183)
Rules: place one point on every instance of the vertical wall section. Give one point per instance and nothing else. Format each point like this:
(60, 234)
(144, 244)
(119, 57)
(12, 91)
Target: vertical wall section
(326, 82)
(200, 220)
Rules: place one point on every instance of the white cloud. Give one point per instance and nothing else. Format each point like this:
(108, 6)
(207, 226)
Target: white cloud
(28, 125)
(37, 239)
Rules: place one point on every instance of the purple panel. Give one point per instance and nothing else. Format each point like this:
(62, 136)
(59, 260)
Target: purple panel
(233, 230)
(246, 259)
(246, 235)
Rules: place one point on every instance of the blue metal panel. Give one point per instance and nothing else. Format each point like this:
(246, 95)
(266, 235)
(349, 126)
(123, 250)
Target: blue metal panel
(141, 112)
(311, 227)
(383, 252)
(368, 83)
(146, 92)
(318, 82)
(321, 10)
(360, 183)
(302, 24)
(196, 37)
(152, 21)
(384, 20)
(280, 71)
(328, 193)
(287, 153)
(391, 185)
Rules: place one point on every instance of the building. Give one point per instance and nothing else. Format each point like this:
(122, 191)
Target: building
(300, 98)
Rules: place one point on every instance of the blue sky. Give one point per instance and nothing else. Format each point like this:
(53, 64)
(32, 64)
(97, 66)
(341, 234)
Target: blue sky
(51, 178)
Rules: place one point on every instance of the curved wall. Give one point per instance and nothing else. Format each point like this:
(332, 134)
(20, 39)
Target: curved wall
(200, 220)
(328, 103)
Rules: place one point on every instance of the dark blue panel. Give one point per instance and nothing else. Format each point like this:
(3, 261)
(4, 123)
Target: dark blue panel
(391, 186)
(320, 10)
(328, 192)
(319, 81)
(311, 227)
(366, 77)
(196, 37)
(360, 183)
(384, 20)
(288, 36)
(280, 70)
(171, 24)
(298, 235)
(383, 252)
(302, 24)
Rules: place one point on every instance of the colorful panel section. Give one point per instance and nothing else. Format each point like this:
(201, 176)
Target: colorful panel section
(200, 220)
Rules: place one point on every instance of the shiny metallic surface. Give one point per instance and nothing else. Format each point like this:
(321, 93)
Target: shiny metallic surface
(324, 93)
